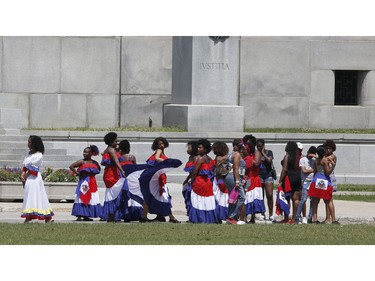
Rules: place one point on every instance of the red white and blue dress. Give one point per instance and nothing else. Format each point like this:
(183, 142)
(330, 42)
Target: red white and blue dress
(131, 205)
(87, 202)
(203, 203)
(114, 182)
(35, 201)
(321, 186)
(254, 202)
(160, 201)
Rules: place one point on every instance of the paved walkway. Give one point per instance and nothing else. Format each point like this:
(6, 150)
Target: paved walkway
(347, 212)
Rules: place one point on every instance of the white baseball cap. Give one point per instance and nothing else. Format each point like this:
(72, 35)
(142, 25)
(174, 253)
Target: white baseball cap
(299, 145)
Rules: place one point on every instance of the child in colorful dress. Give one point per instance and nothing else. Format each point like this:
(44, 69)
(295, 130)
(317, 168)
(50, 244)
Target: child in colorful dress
(35, 201)
(162, 195)
(87, 203)
(131, 208)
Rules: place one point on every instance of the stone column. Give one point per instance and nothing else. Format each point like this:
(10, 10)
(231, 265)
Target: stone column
(205, 83)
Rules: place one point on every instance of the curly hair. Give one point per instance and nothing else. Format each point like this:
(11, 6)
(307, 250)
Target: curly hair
(110, 138)
(194, 147)
(220, 148)
(206, 145)
(37, 143)
(250, 138)
(329, 143)
(124, 146)
(94, 149)
(156, 141)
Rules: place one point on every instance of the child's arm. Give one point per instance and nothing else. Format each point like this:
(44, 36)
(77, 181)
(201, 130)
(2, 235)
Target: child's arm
(75, 165)
(158, 154)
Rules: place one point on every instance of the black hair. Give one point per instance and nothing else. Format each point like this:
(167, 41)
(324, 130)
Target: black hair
(294, 153)
(330, 143)
(110, 138)
(156, 141)
(250, 138)
(321, 151)
(124, 146)
(94, 149)
(206, 145)
(312, 150)
(261, 141)
(194, 147)
(37, 143)
(236, 142)
(220, 148)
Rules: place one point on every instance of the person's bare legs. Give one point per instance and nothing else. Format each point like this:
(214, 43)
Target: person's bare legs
(328, 213)
(315, 209)
(243, 213)
(304, 210)
(269, 195)
(295, 202)
(145, 211)
(331, 208)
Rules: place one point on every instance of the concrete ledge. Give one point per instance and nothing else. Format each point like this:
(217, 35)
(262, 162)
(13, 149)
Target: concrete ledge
(55, 191)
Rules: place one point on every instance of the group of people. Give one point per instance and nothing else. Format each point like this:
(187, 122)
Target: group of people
(231, 187)
(311, 175)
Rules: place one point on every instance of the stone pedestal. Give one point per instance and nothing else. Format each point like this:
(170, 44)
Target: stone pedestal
(205, 80)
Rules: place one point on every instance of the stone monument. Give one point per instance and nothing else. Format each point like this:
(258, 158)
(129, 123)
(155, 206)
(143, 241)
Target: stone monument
(205, 85)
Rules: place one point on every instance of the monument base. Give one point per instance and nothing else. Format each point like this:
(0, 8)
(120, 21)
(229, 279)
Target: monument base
(204, 118)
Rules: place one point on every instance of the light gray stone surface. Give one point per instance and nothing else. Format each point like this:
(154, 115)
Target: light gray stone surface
(60, 110)
(137, 109)
(90, 65)
(204, 118)
(146, 65)
(281, 81)
(17, 101)
(11, 118)
(205, 85)
(31, 64)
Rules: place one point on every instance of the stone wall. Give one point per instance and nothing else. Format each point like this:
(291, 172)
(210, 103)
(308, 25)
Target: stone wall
(98, 82)
(94, 82)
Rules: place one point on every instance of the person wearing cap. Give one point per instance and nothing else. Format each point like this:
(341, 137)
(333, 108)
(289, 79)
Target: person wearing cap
(307, 173)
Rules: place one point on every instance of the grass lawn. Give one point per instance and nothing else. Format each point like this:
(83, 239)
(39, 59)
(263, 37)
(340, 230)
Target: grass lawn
(184, 234)
(355, 197)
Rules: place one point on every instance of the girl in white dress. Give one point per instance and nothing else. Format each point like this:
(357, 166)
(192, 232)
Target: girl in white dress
(35, 200)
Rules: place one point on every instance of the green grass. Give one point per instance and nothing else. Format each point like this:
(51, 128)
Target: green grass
(184, 234)
(116, 129)
(247, 130)
(309, 130)
(356, 187)
(355, 197)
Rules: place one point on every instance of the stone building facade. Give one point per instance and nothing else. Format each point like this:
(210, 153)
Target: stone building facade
(103, 82)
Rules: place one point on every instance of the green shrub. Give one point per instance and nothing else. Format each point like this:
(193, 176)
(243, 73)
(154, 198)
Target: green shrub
(48, 175)
(10, 174)
(60, 175)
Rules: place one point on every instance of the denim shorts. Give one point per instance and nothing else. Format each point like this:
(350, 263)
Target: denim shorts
(266, 179)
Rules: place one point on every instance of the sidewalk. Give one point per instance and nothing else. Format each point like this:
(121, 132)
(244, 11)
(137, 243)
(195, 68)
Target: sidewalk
(347, 212)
